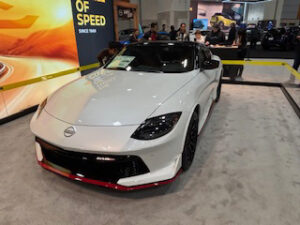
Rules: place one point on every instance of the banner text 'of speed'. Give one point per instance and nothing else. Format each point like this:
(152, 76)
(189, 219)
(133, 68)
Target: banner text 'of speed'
(84, 18)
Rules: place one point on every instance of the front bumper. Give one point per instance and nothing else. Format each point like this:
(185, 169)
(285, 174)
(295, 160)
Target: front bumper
(161, 156)
(101, 170)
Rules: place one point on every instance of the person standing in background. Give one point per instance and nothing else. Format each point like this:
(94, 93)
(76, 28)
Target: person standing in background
(270, 25)
(296, 59)
(152, 34)
(134, 36)
(106, 54)
(182, 34)
(173, 33)
(163, 28)
(216, 36)
(254, 37)
(232, 34)
(198, 37)
(242, 49)
(297, 56)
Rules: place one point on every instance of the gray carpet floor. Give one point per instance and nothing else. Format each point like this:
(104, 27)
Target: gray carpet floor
(246, 171)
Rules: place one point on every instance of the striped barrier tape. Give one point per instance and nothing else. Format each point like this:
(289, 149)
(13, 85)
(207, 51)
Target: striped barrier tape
(47, 77)
(263, 63)
(292, 70)
(95, 65)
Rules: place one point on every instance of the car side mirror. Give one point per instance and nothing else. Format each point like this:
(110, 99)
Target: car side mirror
(210, 64)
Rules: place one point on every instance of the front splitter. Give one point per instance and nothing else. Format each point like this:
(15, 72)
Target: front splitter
(108, 184)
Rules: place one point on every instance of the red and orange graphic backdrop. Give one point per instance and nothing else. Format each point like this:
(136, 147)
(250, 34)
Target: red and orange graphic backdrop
(36, 38)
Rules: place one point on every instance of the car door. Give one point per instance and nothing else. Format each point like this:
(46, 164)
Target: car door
(205, 79)
(211, 72)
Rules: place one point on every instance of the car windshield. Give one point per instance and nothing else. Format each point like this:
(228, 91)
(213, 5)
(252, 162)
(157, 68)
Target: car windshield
(166, 58)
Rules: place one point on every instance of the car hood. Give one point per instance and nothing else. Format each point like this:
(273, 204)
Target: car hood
(114, 98)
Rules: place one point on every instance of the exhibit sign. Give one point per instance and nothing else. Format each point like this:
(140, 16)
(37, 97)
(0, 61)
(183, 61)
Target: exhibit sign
(94, 27)
(37, 38)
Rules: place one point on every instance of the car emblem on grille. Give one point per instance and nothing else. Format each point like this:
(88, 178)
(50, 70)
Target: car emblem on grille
(70, 131)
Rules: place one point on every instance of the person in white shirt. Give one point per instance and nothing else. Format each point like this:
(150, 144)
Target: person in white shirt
(199, 37)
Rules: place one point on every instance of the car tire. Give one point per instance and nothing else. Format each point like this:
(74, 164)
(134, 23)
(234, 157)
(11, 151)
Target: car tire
(190, 143)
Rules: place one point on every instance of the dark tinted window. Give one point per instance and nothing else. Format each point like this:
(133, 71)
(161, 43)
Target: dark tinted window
(201, 58)
(204, 54)
(167, 58)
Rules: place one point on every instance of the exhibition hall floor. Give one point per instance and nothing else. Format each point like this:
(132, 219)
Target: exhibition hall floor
(246, 171)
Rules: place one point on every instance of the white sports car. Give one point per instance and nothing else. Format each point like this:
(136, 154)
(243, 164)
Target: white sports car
(133, 123)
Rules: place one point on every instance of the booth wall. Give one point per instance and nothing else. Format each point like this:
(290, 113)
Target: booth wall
(92, 36)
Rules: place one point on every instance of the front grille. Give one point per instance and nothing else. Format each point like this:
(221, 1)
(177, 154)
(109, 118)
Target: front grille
(107, 168)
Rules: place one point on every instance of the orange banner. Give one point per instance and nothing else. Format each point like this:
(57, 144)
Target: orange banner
(37, 38)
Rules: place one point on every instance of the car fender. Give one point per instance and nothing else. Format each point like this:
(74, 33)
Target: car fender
(185, 101)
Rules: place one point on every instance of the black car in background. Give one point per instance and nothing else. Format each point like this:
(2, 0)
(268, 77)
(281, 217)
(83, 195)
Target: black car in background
(292, 33)
(254, 34)
(281, 38)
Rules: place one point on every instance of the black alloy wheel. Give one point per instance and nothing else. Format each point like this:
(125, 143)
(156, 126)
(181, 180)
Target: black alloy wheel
(190, 142)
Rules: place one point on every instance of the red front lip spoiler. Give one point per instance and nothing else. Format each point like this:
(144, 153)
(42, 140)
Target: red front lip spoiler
(107, 184)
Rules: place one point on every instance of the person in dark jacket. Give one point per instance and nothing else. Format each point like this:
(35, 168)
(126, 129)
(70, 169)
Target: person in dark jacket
(173, 33)
(232, 34)
(216, 36)
(254, 37)
(182, 34)
(296, 63)
(106, 54)
(297, 56)
(242, 49)
(152, 34)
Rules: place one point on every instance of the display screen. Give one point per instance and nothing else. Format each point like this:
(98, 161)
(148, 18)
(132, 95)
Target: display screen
(234, 11)
(200, 24)
(37, 38)
(41, 37)
(220, 13)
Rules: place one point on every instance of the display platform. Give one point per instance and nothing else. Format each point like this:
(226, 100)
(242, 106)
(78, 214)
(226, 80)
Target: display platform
(252, 135)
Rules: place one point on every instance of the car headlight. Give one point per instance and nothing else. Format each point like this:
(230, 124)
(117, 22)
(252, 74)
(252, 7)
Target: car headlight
(156, 127)
(41, 107)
